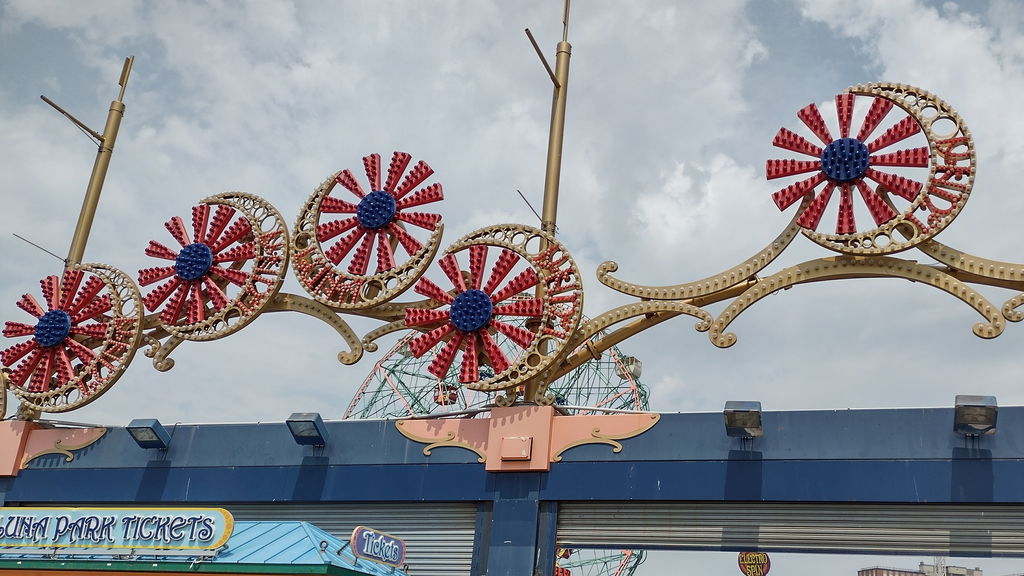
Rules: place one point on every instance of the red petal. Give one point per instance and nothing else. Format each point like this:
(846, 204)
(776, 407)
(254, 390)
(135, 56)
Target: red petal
(451, 269)
(236, 277)
(913, 157)
(811, 117)
(16, 352)
(29, 304)
(420, 317)
(506, 260)
(172, 312)
(470, 369)
(346, 179)
(421, 219)
(177, 229)
(432, 193)
(844, 109)
(790, 194)
(416, 176)
(326, 231)
(792, 141)
(342, 247)
(880, 211)
(220, 221)
(51, 291)
(332, 205)
(443, 361)
(499, 362)
(410, 244)
(421, 344)
(903, 187)
(361, 258)
(154, 299)
(385, 256)
(427, 288)
(238, 229)
(372, 165)
(530, 307)
(215, 295)
(901, 130)
(811, 217)
(86, 295)
(526, 279)
(158, 250)
(399, 162)
(477, 259)
(521, 336)
(845, 224)
(782, 168)
(879, 108)
(69, 286)
(200, 218)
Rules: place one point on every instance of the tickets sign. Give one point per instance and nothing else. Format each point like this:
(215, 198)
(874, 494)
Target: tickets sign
(754, 563)
(378, 546)
(158, 528)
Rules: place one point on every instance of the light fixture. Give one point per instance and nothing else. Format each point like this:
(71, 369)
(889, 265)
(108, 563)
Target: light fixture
(975, 415)
(307, 428)
(743, 419)
(148, 433)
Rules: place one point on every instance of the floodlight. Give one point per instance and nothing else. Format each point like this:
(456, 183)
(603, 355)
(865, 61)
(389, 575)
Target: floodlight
(743, 419)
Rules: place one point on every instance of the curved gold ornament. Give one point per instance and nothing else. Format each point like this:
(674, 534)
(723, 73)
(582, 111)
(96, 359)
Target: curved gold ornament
(294, 303)
(265, 273)
(110, 355)
(597, 437)
(711, 285)
(85, 438)
(448, 442)
(843, 267)
(951, 171)
(337, 288)
(560, 289)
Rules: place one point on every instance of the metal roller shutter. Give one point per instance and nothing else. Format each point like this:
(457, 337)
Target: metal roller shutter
(438, 536)
(947, 529)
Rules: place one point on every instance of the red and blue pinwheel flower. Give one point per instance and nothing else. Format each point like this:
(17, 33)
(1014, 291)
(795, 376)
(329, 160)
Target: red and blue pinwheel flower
(198, 278)
(378, 214)
(75, 317)
(471, 320)
(846, 163)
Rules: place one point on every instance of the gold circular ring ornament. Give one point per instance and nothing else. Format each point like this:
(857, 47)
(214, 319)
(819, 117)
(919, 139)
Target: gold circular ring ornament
(229, 264)
(499, 271)
(900, 179)
(87, 331)
(335, 240)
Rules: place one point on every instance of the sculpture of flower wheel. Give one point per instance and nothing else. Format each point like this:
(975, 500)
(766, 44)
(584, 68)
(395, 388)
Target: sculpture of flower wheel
(495, 354)
(86, 332)
(224, 273)
(927, 190)
(371, 229)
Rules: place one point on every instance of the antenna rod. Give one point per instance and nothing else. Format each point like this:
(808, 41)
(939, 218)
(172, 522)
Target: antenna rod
(554, 165)
(99, 171)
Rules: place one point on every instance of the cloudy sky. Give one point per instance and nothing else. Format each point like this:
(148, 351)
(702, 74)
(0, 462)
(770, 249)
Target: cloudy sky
(672, 110)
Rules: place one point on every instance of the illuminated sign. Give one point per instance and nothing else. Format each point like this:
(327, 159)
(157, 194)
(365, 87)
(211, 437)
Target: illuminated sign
(378, 546)
(158, 528)
(754, 563)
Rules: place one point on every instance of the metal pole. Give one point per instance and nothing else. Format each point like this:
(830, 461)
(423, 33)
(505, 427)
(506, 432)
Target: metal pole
(99, 173)
(549, 213)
